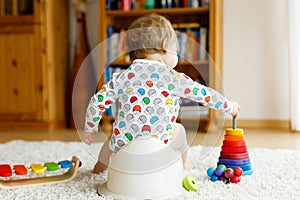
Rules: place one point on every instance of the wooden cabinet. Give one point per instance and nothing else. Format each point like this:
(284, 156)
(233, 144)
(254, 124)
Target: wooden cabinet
(208, 16)
(33, 63)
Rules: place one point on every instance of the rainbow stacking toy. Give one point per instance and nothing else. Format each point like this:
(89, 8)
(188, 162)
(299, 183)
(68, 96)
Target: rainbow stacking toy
(234, 151)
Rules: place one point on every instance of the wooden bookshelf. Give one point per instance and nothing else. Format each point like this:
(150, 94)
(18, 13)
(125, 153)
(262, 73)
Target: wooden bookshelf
(210, 15)
(29, 19)
(163, 11)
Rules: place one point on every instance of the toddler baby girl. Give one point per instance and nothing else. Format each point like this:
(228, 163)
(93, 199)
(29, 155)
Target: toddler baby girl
(148, 92)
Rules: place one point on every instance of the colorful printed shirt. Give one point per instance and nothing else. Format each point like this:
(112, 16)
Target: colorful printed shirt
(147, 94)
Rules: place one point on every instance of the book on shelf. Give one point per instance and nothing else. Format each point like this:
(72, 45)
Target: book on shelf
(203, 39)
(193, 112)
(192, 109)
(205, 2)
(193, 41)
(153, 4)
(116, 48)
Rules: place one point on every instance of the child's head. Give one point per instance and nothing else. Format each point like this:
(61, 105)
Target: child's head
(152, 34)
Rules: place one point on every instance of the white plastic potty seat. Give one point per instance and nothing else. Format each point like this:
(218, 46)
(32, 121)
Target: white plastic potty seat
(144, 169)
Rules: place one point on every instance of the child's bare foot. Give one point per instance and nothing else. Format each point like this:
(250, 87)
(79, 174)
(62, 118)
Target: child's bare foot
(99, 167)
(187, 165)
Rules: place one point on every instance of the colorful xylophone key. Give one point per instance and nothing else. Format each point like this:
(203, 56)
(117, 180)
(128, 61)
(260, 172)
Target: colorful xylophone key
(5, 170)
(51, 166)
(37, 168)
(20, 170)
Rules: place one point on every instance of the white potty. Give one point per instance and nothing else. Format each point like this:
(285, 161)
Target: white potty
(144, 169)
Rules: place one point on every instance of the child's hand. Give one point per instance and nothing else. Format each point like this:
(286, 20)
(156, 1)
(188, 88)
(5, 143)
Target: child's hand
(235, 109)
(88, 137)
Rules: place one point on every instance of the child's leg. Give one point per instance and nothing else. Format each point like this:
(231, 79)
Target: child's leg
(103, 159)
(179, 143)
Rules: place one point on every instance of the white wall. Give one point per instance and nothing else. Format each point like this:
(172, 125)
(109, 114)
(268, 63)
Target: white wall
(255, 57)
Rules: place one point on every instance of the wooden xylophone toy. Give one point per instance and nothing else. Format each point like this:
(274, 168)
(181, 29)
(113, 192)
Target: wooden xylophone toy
(19, 170)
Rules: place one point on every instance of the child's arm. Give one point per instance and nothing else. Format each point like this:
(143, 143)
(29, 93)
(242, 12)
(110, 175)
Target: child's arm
(206, 96)
(101, 101)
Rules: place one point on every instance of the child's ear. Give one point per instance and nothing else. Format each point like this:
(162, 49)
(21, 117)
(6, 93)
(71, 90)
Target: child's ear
(164, 44)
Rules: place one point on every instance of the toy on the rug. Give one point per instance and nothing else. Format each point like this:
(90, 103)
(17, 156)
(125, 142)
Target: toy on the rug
(234, 155)
(8, 171)
(234, 150)
(190, 184)
(224, 174)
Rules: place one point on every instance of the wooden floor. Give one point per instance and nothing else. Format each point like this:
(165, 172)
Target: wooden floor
(261, 138)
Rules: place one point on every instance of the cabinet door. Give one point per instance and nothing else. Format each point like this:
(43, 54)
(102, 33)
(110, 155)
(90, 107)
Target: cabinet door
(20, 76)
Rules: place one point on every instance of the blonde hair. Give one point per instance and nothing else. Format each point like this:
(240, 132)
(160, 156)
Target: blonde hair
(146, 35)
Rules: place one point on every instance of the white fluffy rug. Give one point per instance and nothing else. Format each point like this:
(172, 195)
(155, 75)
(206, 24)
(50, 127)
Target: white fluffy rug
(276, 176)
